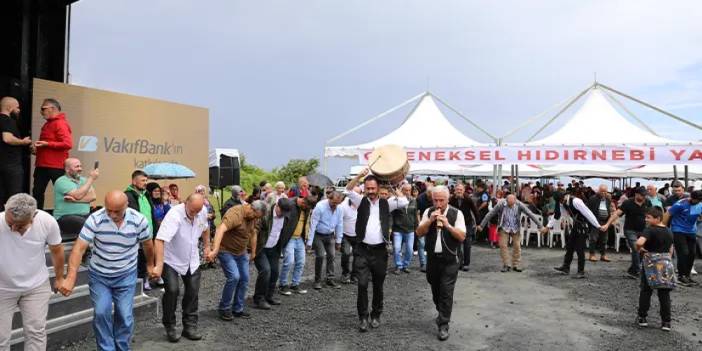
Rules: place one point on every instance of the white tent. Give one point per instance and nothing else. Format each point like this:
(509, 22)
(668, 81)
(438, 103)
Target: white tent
(425, 127)
(664, 171)
(214, 155)
(598, 123)
(468, 170)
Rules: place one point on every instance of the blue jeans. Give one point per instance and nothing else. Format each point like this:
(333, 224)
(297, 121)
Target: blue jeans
(420, 251)
(113, 333)
(294, 252)
(397, 240)
(631, 237)
(236, 269)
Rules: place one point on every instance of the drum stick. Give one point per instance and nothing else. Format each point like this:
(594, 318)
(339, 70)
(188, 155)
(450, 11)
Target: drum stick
(374, 162)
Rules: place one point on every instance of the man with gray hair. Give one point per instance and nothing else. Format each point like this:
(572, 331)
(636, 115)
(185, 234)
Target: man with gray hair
(235, 234)
(445, 229)
(326, 232)
(24, 278)
(509, 212)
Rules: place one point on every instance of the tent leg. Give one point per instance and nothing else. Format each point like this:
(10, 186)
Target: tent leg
(675, 173)
(516, 178)
(686, 177)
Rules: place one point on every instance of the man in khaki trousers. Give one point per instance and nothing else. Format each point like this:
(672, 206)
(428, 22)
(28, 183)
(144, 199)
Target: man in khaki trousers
(509, 212)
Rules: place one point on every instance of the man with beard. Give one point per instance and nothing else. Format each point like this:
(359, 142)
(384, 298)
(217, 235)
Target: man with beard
(372, 231)
(11, 146)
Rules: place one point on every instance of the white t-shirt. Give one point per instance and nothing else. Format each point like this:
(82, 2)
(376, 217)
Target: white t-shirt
(22, 257)
(460, 225)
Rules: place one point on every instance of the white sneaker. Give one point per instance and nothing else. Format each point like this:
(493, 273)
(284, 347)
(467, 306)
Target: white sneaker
(693, 272)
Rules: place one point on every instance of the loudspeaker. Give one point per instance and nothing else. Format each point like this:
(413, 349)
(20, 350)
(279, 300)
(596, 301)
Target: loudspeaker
(228, 173)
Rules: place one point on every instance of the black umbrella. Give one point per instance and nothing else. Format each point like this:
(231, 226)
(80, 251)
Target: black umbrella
(320, 180)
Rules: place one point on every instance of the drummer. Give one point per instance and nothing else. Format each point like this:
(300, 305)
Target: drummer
(372, 229)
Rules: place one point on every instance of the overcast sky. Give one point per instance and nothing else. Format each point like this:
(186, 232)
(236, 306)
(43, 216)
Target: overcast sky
(281, 77)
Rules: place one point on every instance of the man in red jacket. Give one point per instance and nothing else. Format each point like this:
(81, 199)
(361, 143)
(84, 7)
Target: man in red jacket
(55, 140)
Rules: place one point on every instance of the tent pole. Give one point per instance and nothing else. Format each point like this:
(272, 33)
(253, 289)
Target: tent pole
(631, 114)
(533, 119)
(511, 176)
(516, 178)
(675, 173)
(494, 138)
(680, 119)
(560, 112)
(324, 159)
(686, 177)
(374, 118)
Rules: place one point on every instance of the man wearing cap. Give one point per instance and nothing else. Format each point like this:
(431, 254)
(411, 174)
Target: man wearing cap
(634, 223)
(683, 216)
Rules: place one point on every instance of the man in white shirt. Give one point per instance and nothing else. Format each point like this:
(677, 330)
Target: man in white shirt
(177, 257)
(445, 230)
(348, 242)
(24, 278)
(372, 231)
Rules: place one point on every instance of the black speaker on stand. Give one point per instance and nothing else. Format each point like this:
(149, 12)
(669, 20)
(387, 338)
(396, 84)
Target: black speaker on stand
(227, 174)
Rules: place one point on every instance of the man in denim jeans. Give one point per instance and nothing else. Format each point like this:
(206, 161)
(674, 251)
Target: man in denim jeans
(404, 223)
(235, 234)
(292, 239)
(634, 223)
(113, 268)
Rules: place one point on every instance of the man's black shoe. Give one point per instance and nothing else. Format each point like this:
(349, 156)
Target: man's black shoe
(272, 301)
(262, 305)
(191, 334)
(226, 316)
(332, 284)
(517, 269)
(505, 269)
(564, 270)
(579, 275)
(443, 333)
(423, 268)
(363, 326)
(172, 335)
(317, 286)
(406, 270)
(354, 280)
(465, 268)
(375, 323)
(642, 322)
(242, 314)
(285, 291)
(632, 274)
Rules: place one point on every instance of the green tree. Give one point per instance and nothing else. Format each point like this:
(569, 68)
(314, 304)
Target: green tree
(295, 169)
(251, 175)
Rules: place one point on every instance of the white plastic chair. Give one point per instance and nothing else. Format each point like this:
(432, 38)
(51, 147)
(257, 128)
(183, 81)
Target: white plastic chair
(556, 227)
(619, 234)
(533, 228)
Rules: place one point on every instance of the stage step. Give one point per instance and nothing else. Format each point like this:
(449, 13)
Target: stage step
(70, 318)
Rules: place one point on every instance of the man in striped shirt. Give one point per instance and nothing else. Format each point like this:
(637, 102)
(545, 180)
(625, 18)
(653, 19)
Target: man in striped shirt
(114, 234)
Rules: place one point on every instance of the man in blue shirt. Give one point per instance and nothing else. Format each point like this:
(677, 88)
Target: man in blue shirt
(326, 232)
(683, 216)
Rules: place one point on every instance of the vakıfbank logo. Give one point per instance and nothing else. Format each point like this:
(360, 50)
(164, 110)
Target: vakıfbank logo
(88, 143)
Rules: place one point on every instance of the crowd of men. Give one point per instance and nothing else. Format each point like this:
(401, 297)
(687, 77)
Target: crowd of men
(146, 231)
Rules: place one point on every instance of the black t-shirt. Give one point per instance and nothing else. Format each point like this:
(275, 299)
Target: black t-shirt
(658, 239)
(672, 199)
(635, 215)
(10, 155)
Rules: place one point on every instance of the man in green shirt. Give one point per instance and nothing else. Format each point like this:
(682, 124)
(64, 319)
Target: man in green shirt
(139, 200)
(72, 197)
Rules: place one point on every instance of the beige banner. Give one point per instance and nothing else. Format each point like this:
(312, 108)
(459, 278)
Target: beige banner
(125, 132)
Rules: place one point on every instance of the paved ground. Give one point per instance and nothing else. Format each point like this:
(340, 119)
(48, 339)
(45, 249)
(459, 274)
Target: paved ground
(534, 310)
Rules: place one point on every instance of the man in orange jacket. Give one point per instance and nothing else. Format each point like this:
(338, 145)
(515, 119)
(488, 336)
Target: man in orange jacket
(55, 141)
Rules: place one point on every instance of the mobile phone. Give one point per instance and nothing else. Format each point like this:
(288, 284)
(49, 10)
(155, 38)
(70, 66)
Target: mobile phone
(97, 163)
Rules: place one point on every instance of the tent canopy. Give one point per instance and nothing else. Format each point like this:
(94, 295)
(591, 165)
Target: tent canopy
(597, 122)
(214, 155)
(425, 127)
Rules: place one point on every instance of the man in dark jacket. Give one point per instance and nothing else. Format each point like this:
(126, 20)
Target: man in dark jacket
(296, 213)
(464, 203)
(139, 200)
(233, 201)
(600, 205)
